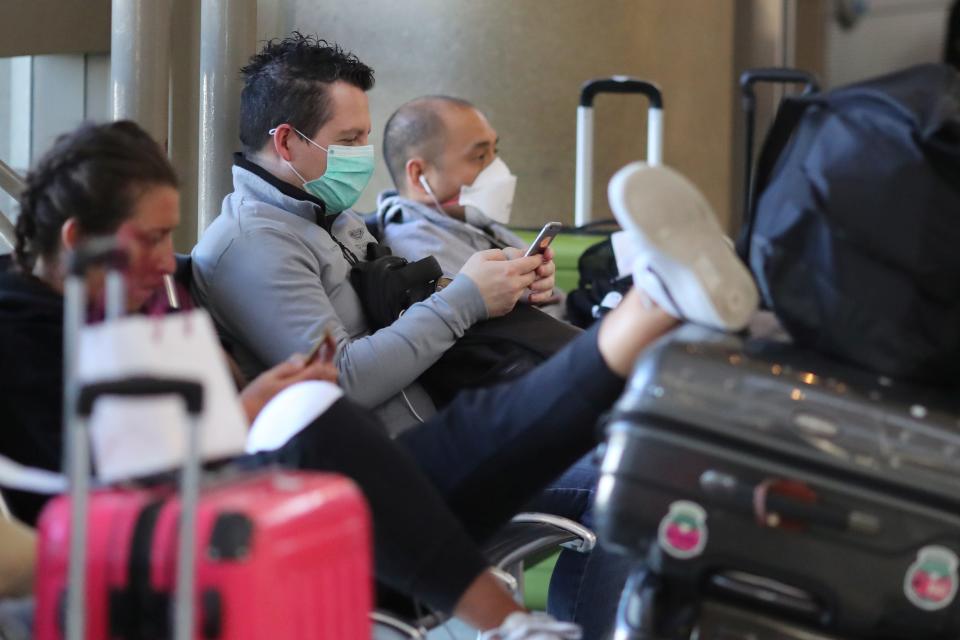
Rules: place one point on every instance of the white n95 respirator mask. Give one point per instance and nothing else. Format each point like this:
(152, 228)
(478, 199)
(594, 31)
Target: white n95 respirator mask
(490, 197)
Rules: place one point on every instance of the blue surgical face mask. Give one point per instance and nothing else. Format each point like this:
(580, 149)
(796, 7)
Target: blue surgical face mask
(348, 172)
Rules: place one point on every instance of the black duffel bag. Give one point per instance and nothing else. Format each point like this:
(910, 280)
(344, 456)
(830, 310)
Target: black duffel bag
(491, 351)
(599, 277)
(496, 350)
(855, 236)
(387, 284)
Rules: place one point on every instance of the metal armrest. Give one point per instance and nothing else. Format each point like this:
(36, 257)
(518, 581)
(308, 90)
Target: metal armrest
(400, 614)
(4, 509)
(530, 537)
(386, 620)
(585, 539)
(508, 579)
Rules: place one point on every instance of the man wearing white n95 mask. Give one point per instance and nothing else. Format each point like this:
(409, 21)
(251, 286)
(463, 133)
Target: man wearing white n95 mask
(454, 198)
(453, 192)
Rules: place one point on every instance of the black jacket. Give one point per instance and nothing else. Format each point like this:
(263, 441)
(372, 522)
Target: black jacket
(31, 380)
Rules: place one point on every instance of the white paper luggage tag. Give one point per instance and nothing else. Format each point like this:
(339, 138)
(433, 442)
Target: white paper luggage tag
(135, 437)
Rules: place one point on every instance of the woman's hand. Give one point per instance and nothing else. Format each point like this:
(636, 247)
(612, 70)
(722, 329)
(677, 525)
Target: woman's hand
(272, 381)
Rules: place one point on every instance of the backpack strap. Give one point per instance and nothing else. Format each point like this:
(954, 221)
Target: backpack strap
(781, 131)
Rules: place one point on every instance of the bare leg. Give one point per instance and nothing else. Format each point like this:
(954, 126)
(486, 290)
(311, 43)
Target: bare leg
(629, 329)
(486, 603)
(624, 334)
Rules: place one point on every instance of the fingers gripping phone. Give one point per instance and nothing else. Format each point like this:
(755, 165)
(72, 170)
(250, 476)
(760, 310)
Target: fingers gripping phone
(323, 349)
(543, 239)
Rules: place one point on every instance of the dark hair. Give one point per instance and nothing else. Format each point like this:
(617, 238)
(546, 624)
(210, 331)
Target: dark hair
(287, 82)
(94, 174)
(416, 128)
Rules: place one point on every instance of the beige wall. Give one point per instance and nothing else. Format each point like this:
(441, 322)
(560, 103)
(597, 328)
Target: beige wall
(891, 35)
(522, 61)
(29, 27)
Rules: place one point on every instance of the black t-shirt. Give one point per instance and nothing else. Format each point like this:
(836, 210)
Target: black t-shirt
(31, 381)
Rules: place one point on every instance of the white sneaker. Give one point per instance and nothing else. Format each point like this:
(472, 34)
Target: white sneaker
(645, 279)
(521, 625)
(686, 264)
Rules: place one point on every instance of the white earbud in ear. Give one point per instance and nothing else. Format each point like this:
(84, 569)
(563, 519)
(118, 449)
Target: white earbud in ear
(425, 184)
(426, 187)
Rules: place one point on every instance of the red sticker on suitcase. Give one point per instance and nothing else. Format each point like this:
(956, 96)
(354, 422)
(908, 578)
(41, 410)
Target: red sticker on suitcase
(931, 581)
(683, 531)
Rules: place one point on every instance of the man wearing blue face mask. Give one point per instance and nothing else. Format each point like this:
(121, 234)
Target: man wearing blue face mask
(274, 271)
(274, 267)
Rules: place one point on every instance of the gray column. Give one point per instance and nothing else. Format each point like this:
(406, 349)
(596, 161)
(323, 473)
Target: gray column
(228, 34)
(140, 64)
(7, 231)
(10, 183)
(184, 146)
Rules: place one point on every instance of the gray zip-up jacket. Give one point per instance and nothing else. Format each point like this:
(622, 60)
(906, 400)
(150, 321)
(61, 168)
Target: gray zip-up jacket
(413, 231)
(273, 277)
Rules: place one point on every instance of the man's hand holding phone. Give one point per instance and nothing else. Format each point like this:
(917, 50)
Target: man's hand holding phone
(541, 291)
(544, 238)
(502, 276)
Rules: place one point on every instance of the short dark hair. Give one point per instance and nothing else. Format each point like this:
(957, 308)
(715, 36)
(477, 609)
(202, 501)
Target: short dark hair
(287, 82)
(415, 128)
(95, 174)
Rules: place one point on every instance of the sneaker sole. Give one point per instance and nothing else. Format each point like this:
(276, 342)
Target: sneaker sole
(697, 263)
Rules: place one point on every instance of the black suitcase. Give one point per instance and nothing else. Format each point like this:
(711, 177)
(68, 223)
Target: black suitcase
(784, 487)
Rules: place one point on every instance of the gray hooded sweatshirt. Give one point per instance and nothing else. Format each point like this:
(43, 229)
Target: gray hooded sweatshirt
(413, 231)
(273, 277)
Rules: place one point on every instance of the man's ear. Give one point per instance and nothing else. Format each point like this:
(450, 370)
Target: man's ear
(414, 173)
(70, 234)
(281, 137)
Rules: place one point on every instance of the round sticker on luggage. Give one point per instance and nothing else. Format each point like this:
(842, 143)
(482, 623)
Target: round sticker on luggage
(931, 581)
(683, 531)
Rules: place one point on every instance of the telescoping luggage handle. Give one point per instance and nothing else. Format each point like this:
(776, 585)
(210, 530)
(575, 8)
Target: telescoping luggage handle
(101, 253)
(590, 90)
(191, 393)
(98, 252)
(748, 80)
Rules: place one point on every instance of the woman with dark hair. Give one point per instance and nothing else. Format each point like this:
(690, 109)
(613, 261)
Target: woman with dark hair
(99, 180)
(113, 179)
(85, 185)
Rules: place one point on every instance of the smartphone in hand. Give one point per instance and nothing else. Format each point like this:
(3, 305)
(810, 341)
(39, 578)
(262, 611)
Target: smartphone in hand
(543, 239)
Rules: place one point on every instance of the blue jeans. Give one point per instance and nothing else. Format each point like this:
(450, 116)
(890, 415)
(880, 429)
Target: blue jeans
(584, 588)
(494, 450)
(457, 479)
